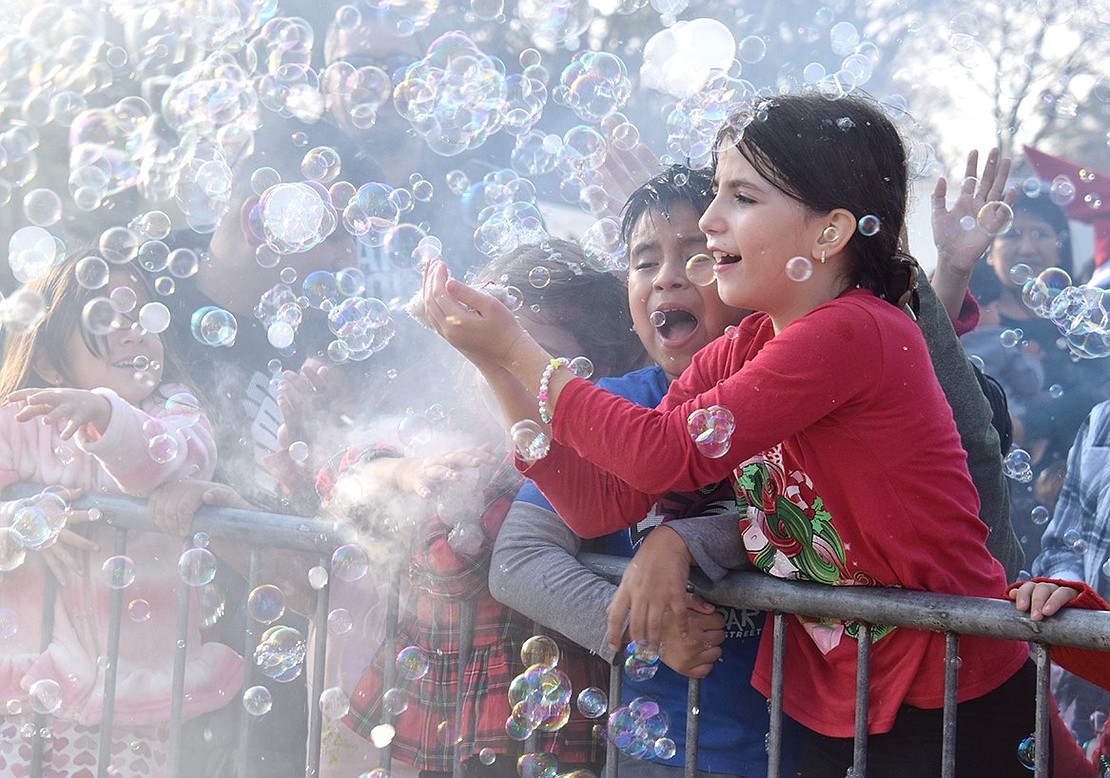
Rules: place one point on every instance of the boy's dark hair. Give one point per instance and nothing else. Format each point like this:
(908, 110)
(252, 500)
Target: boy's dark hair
(829, 154)
(677, 184)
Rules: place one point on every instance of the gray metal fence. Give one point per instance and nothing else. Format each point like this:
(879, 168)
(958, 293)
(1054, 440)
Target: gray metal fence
(952, 615)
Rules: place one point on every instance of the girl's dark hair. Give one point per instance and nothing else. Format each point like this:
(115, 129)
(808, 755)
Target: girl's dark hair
(64, 299)
(676, 185)
(985, 284)
(591, 305)
(829, 154)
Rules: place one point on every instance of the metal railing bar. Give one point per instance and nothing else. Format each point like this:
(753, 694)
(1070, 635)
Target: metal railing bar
(249, 637)
(693, 711)
(863, 699)
(951, 687)
(1041, 735)
(177, 694)
(108, 714)
(892, 606)
(774, 733)
(316, 680)
(389, 646)
(50, 594)
(615, 680)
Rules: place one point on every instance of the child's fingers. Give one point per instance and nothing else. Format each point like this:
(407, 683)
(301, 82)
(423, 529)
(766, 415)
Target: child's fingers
(75, 541)
(615, 618)
(1058, 599)
(971, 168)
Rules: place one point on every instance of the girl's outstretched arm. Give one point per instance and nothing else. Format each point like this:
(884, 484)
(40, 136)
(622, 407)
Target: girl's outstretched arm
(77, 407)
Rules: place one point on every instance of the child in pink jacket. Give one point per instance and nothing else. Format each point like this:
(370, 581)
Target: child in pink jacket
(86, 410)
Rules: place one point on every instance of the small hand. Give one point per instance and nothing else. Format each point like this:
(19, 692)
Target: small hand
(695, 654)
(173, 505)
(425, 477)
(623, 172)
(474, 322)
(653, 585)
(77, 407)
(1041, 599)
(959, 248)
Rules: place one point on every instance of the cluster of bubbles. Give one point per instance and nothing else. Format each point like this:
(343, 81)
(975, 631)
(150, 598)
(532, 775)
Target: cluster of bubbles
(594, 85)
(280, 653)
(711, 430)
(503, 206)
(530, 442)
(540, 696)
(1017, 465)
(35, 524)
(641, 661)
(639, 729)
(1080, 312)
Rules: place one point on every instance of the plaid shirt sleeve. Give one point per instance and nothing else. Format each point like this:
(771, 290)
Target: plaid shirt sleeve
(1076, 543)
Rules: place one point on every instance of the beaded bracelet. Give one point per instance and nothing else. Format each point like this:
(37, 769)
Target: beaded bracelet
(545, 379)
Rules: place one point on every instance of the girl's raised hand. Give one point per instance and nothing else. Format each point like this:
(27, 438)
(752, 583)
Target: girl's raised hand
(959, 248)
(77, 407)
(1041, 598)
(475, 323)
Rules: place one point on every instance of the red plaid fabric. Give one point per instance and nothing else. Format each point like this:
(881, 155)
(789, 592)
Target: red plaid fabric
(440, 582)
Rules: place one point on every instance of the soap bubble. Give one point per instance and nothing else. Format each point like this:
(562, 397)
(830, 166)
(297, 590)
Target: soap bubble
(395, 701)
(539, 650)
(711, 430)
(280, 653)
(699, 269)
(799, 269)
(91, 272)
(334, 703)
(154, 317)
(592, 702)
(1061, 191)
(214, 326)
(1040, 515)
(12, 549)
(340, 621)
(257, 701)
(118, 572)
(581, 367)
(349, 563)
(537, 766)
(197, 566)
(412, 664)
(317, 577)
(266, 603)
(995, 218)
(1027, 751)
(45, 695)
(42, 207)
(138, 610)
(163, 448)
(530, 442)
(869, 225)
(664, 748)
(1017, 465)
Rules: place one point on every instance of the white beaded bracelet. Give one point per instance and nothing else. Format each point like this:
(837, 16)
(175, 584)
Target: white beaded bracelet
(545, 379)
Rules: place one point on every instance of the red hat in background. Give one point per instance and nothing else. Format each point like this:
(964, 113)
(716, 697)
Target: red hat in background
(1091, 183)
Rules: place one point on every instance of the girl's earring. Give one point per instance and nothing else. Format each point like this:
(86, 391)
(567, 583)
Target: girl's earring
(822, 256)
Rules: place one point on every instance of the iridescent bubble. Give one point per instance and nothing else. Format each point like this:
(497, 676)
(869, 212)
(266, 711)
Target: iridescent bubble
(395, 701)
(317, 577)
(995, 218)
(280, 653)
(334, 703)
(799, 269)
(869, 225)
(197, 566)
(155, 225)
(154, 317)
(91, 272)
(321, 164)
(163, 448)
(537, 766)
(138, 610)
(340, 621)
(412, 664)
(281, 335)
(664, 748)
(266, 603)
(1039, 515)
(154, 256)
(487, 756)
(42, 207)
(1018, 465)
(1009, 338)
(539, 650)
(257, 701)
(12, 549)
(1061, 191)
(349, 563)
(182, 263)
(581, 367)
(657, 318)
(118, 572)
(1027, 751)
(699, 269)
(539, 277)
(592, 702)
(214, 326)
(1055, 391)
(1020, 273)
(31, 524)
(711, 430)
(45, 695)
(118, 245)
(530, 443)
(752, 49)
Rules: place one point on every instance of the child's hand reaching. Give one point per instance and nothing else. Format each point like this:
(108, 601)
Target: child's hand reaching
(425, 477)
(1041, 598)
(77, 407)
(959, 248)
